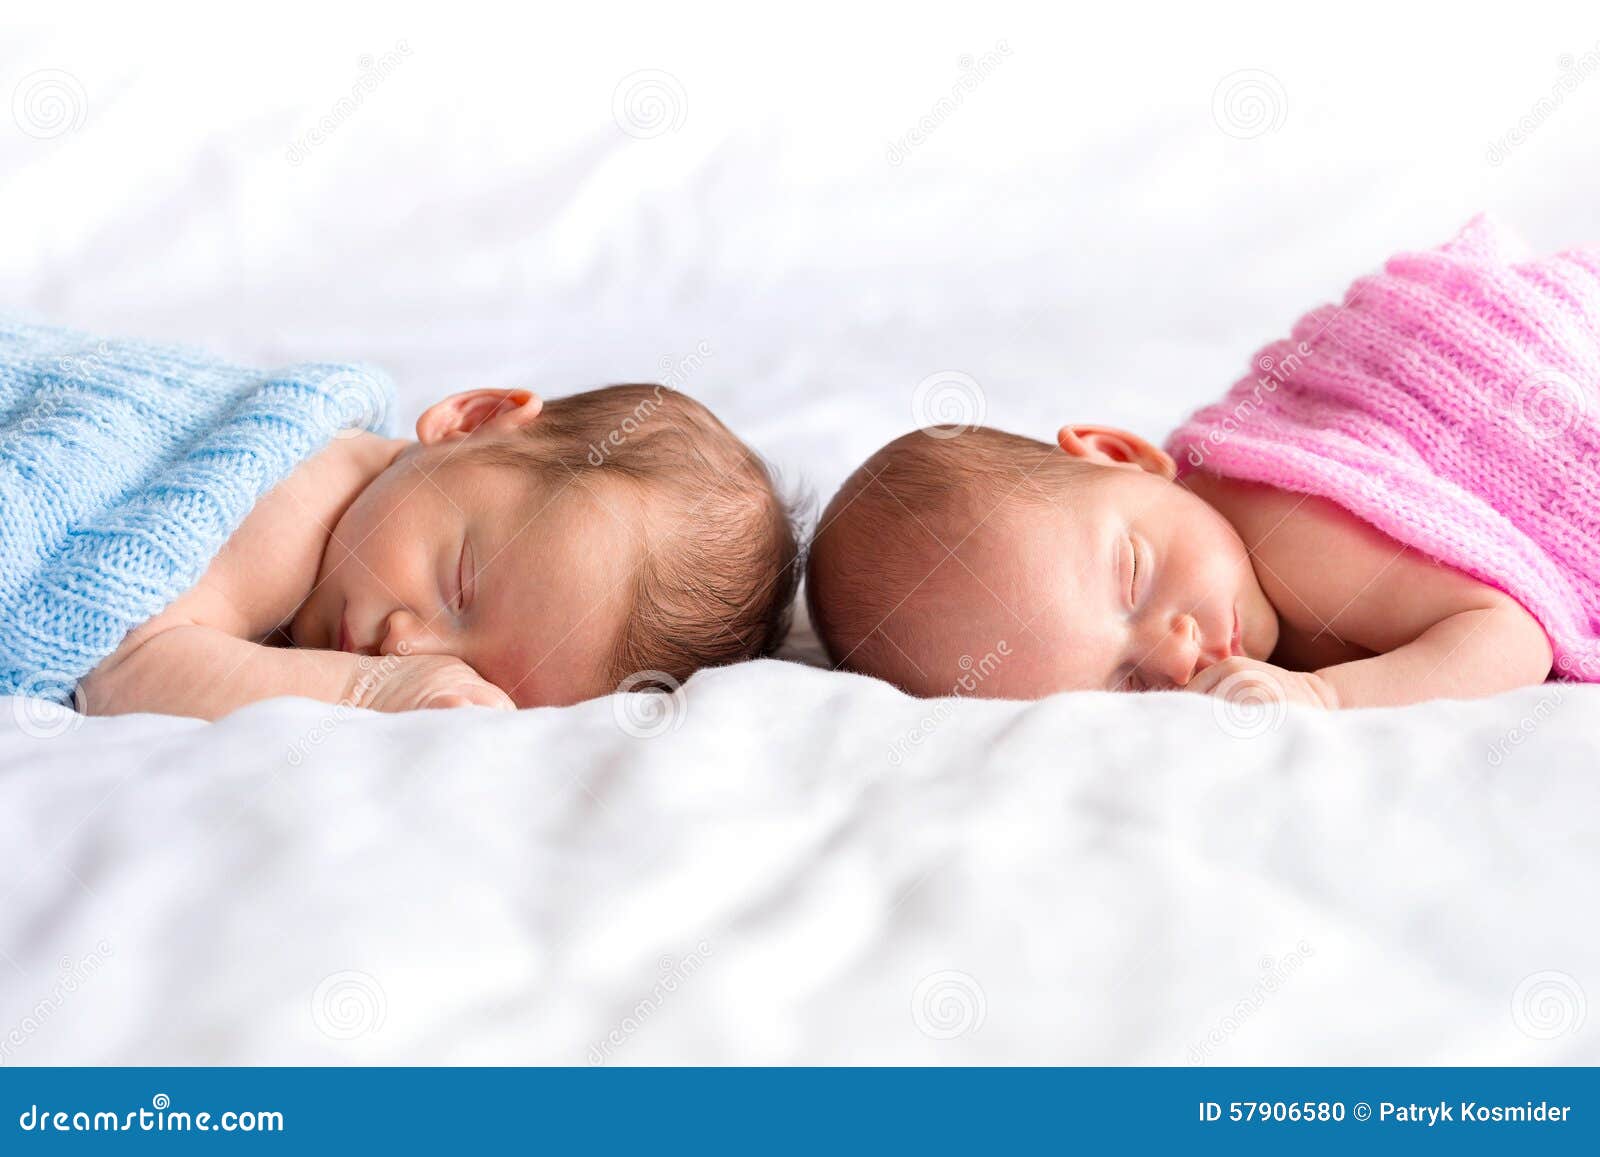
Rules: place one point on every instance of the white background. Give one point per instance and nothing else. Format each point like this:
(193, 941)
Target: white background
(1082, 237)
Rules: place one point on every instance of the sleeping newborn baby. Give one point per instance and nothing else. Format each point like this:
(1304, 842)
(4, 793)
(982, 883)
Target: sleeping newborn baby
(1402, 503)
(517, 553)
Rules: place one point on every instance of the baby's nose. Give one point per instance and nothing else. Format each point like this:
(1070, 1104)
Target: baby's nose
(1175, 659)
(405, 634)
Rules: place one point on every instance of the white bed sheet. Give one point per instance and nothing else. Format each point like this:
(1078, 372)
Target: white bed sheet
(830, 871)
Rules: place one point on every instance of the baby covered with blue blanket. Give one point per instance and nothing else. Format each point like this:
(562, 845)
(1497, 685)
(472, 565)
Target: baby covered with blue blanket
(184, 536)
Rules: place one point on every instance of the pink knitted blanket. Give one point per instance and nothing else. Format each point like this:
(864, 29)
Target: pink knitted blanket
(1452, 401)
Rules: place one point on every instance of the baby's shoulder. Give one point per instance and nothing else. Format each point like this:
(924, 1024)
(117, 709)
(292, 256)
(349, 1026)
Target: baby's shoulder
(269, 564)
(1279, 523)
(1334, 574)
(1308, 551)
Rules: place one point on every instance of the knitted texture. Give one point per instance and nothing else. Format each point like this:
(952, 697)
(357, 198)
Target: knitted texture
(124, 468)
(1452, 401)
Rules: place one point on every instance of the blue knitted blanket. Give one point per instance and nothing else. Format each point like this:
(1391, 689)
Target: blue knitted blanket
(124, 468)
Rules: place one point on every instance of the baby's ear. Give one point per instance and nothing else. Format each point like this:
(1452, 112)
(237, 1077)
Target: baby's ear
(1109, 447)
(462, 414)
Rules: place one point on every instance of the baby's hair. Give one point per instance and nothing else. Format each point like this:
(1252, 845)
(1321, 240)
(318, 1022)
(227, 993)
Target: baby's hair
(903, 512)
(717, 582)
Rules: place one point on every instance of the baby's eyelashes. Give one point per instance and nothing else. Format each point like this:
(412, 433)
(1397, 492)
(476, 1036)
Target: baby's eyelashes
(464, 576)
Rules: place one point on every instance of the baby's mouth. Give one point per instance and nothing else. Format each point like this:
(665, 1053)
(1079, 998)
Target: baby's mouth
(344, 631)
(1236, 640)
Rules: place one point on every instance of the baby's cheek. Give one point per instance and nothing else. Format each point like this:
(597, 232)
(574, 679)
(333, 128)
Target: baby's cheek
(513, 661)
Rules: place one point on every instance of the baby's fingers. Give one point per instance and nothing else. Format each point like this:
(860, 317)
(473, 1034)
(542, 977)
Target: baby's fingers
(1207, 681)
(491, 696)
(485, 695)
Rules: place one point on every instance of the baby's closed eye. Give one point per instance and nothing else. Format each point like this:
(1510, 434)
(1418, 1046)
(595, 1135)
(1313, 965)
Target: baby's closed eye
(466, 575)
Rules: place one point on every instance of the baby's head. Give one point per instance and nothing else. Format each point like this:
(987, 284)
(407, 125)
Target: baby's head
(559, 547)
(971, 561)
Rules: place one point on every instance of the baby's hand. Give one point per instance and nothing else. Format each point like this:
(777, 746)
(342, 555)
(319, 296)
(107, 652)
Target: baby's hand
(1253, 680)
(417, 682)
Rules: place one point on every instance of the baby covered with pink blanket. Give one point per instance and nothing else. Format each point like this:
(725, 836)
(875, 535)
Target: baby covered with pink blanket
(1400, 502)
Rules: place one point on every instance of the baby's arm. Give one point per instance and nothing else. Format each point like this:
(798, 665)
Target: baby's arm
(205, 672)
(1463, 656)
(202, 671)
(1426, 631)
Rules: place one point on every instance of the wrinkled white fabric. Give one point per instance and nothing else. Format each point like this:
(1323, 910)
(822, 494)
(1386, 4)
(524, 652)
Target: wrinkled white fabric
(1112, 877)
